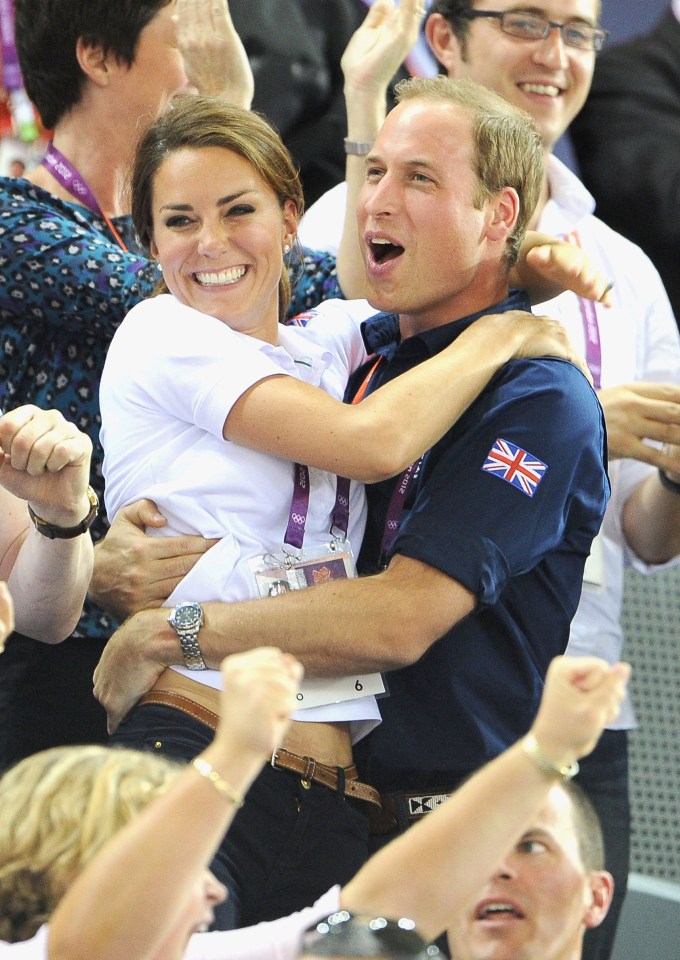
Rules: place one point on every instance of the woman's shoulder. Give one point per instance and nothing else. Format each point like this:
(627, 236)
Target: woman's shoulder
(164, 326)
(43, 218)
(21, 196)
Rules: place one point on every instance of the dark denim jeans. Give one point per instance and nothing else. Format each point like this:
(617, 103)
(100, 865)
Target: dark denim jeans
(287, 845)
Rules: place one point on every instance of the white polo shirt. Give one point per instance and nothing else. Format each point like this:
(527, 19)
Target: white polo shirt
(171, 376)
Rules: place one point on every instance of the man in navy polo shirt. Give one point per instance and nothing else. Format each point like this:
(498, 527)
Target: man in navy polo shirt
(486, 538)
(505, 506)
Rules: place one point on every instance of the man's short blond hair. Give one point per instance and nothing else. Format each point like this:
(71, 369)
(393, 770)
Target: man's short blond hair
(508, 151)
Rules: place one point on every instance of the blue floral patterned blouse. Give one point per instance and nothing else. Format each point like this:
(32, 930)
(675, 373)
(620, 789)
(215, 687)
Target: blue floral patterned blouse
(65, 286)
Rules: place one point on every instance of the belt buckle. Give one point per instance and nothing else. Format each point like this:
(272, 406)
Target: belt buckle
(417, 805)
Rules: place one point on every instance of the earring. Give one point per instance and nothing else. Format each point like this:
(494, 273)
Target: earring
(286, 248)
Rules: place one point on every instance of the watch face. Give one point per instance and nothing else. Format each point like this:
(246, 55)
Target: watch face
(187, 615)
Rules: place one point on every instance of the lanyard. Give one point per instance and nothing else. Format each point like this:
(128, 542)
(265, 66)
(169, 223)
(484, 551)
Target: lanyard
(591, 328)
(299, 507)
(66, 174)
(11, 74)
(395, 507)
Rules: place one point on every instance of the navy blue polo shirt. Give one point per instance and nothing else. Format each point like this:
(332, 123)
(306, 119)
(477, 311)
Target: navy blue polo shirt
(507, 504)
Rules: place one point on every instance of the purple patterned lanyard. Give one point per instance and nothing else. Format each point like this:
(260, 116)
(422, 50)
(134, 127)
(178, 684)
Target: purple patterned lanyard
(591, 328)
(299, 508)
(66, 174)
(396, 506)
(11, 74)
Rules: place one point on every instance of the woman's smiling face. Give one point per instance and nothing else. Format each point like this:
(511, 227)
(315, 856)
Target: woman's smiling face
(218, 235)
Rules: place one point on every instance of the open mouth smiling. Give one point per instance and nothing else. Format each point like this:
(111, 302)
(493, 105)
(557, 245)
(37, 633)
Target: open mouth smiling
(221, 277)
(383, 250)
(542, 89)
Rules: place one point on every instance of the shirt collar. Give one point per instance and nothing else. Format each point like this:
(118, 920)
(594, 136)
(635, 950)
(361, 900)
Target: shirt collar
(297, 355)
(382, 336)
(569, 200)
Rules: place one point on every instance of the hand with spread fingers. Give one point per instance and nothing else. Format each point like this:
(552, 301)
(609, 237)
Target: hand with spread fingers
(380, 45)
(134, 571)
(215, 60)
(636, 412)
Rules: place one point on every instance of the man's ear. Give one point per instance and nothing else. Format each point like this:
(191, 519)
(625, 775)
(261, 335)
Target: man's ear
(503, 211)
(602, 891)
(443, 43)
(95, 64)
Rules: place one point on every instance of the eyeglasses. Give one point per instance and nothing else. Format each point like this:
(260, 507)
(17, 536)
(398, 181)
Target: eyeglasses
(532, 26)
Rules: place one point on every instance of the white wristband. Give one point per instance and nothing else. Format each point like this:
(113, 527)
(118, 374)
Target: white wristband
(357, 148)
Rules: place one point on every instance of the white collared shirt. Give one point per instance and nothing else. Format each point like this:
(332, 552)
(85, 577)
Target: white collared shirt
(639, 341)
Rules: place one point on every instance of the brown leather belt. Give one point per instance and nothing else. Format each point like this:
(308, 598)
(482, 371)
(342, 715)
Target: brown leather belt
(342, 779)
(197, 700)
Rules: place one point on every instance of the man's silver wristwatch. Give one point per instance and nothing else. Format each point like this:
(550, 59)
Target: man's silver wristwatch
(187, 619)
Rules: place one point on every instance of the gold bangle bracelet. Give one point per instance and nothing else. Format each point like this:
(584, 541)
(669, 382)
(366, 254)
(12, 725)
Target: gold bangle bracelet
(532, 749)
(208, 771)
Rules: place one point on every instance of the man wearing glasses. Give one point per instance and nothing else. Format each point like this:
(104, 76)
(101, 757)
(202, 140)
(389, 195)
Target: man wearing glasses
(540, 56)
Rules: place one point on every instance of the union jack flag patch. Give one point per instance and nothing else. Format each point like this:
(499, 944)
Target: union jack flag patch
(301, 319)
(515, 466)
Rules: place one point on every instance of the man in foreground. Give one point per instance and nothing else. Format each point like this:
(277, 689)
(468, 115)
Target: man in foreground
(550, 888)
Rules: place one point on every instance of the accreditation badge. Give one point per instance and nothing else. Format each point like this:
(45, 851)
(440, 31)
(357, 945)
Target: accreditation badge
(296, 570)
